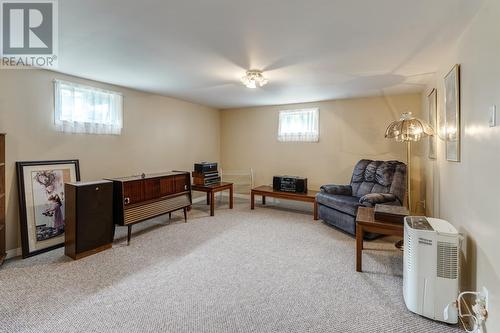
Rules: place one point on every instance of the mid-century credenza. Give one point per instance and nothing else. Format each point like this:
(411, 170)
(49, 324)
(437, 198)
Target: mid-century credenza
(139, 198)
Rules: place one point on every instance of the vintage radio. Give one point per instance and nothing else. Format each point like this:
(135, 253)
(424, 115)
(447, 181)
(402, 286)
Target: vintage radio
(205, 167)
(290, 184)
(140, 198)
(206, 181)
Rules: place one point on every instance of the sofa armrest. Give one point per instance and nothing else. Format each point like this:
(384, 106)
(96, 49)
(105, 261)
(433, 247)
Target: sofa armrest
(337, 189)
(371, 199)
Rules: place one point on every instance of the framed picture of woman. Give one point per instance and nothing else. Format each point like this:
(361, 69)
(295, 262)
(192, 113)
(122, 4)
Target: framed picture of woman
(41, 203)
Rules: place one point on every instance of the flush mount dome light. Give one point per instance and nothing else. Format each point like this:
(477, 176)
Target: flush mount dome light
(254, 79)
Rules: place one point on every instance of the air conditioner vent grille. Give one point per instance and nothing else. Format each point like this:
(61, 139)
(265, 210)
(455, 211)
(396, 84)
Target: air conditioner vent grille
(447, 260)
(409, 252)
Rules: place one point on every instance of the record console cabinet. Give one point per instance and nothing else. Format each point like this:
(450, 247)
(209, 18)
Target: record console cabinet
(139, 198)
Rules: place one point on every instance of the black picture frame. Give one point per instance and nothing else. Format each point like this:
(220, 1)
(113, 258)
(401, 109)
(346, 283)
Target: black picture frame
(23, 216)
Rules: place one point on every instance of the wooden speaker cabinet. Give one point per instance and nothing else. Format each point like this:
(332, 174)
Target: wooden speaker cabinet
(139, 198)
(89, 218)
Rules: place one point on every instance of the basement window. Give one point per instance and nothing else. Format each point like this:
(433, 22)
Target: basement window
(299, 125)
(84, 109)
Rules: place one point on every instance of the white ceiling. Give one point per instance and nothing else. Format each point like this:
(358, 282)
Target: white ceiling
(310, 50)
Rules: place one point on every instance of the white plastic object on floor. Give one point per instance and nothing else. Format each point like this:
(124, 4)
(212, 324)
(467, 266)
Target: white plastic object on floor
(431, 268)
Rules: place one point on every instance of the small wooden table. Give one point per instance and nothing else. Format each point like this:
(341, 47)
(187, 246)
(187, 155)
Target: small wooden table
(211, 190)
(365, 222)
(268, 191)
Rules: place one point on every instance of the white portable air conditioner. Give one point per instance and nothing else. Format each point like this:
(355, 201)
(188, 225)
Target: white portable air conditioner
(431, 268)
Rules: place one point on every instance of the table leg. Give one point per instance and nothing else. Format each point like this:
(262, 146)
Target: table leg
(359, 247)
(129, 233)
(252, 201)
(212, 203)
(315, 210)
(185, 214)
(208, 198)
(231, 197)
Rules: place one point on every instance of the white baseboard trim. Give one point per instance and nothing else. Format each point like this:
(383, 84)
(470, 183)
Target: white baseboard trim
(286, 203)
(14, 253)
(224, 194)
(199, 199)
(18, 252)
(241, 196)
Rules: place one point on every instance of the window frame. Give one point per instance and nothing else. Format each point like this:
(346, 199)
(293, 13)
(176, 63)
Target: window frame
(282, 138)
(82, 127)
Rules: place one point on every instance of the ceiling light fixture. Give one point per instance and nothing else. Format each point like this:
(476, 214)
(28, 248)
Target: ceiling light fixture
(254, 79)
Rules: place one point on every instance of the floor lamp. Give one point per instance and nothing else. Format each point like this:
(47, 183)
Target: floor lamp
(408, 129)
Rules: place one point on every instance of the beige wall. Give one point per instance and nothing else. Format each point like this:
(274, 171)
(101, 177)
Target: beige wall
(159, 134)
(350, 130)
(468, 193)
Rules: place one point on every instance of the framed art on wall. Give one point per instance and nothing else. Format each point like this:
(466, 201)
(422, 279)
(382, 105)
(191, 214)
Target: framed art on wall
(452, 114)
(432, 105)
(41, 203)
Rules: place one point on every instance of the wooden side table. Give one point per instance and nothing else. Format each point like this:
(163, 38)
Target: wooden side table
(210, 190)
(365, 222)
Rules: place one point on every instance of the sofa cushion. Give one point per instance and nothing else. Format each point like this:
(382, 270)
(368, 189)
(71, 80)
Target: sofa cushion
(371, 199)
(385, 173)
(344, 203)
(378, 177)
(337, 189)
(371, 171)
(358, 174)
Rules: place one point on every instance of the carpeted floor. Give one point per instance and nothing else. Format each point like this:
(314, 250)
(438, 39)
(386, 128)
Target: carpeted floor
(268, 270)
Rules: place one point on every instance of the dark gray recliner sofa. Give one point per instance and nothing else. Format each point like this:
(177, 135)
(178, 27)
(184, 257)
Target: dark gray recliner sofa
(372, 182)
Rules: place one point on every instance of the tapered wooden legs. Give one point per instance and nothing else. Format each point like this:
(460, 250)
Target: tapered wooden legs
(231, 197)
(210, 193)
(129, 227)
(212, 203)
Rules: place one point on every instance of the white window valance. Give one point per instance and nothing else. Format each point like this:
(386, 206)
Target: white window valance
(84, 109)
(299, 125)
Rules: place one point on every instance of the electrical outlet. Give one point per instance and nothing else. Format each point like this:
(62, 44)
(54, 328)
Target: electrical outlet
(423, 204)
(493, 116)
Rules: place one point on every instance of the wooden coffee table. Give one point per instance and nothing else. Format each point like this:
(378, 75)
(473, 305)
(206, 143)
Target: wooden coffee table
(211, 190)
(365, 222)
(268, 191)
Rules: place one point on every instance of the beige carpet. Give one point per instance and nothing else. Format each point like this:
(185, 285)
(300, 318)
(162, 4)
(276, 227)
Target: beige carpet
(268, 270)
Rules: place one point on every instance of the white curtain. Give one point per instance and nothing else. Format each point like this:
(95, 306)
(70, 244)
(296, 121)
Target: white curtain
(299, 125)
(84, 109)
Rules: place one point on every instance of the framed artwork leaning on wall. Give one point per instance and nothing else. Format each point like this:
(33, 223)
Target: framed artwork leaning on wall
(41, 203)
